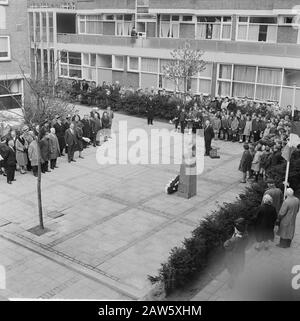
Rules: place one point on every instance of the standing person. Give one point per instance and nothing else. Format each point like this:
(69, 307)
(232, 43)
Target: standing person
(256, 162)
(10, 162)
(235, 249)
(224, 127)
(150, 110)
(86, 129)
(28, 136)
(71, 142)
(33, 156)
(255, 128)
(234, 128)
(45, 152)
(275, 193)
(176, 117)
(248, 129)
(54, 148)
(79, 134)
(182, 120)
(216, 123)
(95, 128)
(21, 154)
(287, 219)
(3, 151)
(265, 223)
(245, 163)
(60, 129)
(105, 125)
(189, 120)
(111, 117)
(208, 137)
(242, 124)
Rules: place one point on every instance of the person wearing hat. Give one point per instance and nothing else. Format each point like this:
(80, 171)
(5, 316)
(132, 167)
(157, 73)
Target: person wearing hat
(235, 250)
(245, 163)
(21, 147)
(287, 219)
(275, 193)
(60, 129)
(265, 223)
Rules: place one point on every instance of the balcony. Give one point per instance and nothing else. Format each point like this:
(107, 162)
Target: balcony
(263, 49)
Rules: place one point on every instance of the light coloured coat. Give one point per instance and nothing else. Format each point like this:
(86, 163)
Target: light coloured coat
(33, 153)
(21, 155)
(287, 217)
(54, 146)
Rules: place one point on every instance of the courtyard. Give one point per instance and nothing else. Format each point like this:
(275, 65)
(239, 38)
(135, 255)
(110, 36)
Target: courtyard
(109, 226)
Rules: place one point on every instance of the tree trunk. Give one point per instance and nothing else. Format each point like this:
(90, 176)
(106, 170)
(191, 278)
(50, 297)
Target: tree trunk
(39, 185)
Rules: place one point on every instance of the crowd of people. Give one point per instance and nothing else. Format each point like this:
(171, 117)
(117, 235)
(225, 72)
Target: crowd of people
(62, 135)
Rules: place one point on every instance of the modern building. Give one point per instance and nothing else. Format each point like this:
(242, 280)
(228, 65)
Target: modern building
(14, 52)
(252, 47)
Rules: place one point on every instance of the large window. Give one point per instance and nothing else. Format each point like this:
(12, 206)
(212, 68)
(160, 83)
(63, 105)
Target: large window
(4, 48)
(106, 24)
(258, 83)
(70, 64)
(214, 27)
(257, 29)
(169, 26)
(10, 94)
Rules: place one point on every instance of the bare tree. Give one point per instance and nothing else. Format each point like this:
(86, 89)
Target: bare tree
(186, 63)
(42, 107)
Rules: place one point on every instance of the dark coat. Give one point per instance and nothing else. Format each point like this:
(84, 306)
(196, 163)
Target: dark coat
(265, 222)
(87, 128)
(209, 133)
(45, 149)
(60, 130)
(246, 162)
(71, 139)
(10, 158)
(79, 134)
(235, 249)
(150, 110)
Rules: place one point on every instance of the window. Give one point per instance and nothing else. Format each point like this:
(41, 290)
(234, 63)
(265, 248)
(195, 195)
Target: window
(257, 29)
(133, 64)
(119, 62)
(71, 64)
(92, 24)
(214, 27)
(258, 83)
(4, 48)
(10, 94)
(169, 28)
(2, 17)
(149, 65)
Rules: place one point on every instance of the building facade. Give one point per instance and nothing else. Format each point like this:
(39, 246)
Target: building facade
(252, 47)
(14, 52)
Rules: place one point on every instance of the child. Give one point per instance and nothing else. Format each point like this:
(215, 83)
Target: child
(235, 249)
(245, 163)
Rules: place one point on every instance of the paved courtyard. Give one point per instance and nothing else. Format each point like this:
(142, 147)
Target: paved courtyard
(110, 226)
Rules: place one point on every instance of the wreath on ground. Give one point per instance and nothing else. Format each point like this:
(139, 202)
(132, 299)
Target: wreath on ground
(172, 186)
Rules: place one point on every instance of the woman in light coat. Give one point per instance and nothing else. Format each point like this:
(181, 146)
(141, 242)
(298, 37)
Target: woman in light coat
(21, 154)
(256, 162)
(33, 156)
(248, 129)
(287, 219)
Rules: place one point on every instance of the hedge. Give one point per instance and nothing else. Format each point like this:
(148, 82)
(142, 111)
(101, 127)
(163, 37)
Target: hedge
(189, 260)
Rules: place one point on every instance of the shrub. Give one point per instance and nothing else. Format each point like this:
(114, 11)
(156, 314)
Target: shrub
(187, 261)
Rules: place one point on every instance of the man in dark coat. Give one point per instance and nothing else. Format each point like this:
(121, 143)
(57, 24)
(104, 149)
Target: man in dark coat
(208, 137)
(245, 163)
(10, 162)
(71, 142)
(150, 111)
(175, 119)
(60, 129)
(265, 223)
(3, 151)
(86, 129)
(235, 249)
(45, 149)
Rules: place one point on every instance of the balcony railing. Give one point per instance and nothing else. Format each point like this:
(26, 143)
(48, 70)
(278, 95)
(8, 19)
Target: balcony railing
(264, 49)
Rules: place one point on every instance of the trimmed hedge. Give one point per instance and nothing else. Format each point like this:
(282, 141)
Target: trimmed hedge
(189, 260)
